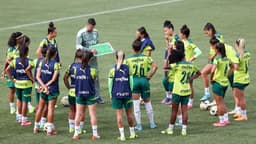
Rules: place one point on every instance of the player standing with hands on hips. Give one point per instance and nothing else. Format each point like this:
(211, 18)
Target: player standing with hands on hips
(87, 37)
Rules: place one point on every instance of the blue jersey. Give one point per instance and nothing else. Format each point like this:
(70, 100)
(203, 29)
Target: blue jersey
(47, 72)
(20, 73)
(72, 73)
(121, 83)
(54, 45)
(84, 83)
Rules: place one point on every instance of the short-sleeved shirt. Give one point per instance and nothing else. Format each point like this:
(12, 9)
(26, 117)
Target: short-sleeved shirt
(85, 38)
(71, 72)
(51, 43)
(231, 54)
(183, 71)
(139, 65)
(189, 49)
(47, 72)
(241, 75)
(221, 39)
(222, 68)
(22, 79)
(12, 52)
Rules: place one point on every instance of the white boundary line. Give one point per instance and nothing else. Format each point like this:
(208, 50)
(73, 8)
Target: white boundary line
(91, 14)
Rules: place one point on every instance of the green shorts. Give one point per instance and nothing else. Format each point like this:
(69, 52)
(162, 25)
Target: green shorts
(72, 100)
(170, 86)
(24, 95)
(37, 96)
(141, 86)
(219, 89)
(177, 99)
(9, 83)
(240, 86)
(122, 103)
(49, 97)
(86, 100)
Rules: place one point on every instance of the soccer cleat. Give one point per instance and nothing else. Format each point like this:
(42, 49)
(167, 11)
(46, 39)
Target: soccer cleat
(133, 136)
(166, 101)
(26, 123)
(138, 127)
(31, 109)
(227, 122)
(237, 115)
(75, 137)
(167, 131)
(51, 133)
(183, 132)
(71, 130)
(242, 118)
(121, 138)
(190, 106)
(12, 110)
(95, 137)
(232, 112)
(35, 131)
(100, 100)
(205, 97)
(152, 126)
(219, 124)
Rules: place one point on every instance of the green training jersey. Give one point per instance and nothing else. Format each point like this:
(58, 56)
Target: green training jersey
(231, 53)
(139, 65)
(12, 53)
(190, 49)
(183, 71)
(241, 75)
(222, 68)
(221, 39)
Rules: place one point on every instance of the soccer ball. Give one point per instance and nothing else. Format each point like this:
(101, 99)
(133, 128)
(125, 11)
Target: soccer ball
(64, 101)
(45, 127)
(204, 105)
(213, 110)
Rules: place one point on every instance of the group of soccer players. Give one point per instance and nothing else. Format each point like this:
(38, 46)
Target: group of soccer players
(128, 80)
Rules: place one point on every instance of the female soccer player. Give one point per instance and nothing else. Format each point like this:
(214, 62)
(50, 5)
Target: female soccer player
(210, 31)
(147, 45)
(241, 79)
(12, 53)
(50, 41)
(167, 81)
(219, 79)
(184, 72)
(120, 89)
(70, 73)
(142, 68)
(37, 93)
(48, 79)
(85, 94)
(192, 52)
(23, 81)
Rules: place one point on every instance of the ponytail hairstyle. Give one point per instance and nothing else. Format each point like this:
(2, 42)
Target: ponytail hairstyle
(214, 41)
(44, 50)
(240, 46)
(51, 53)
(23, 53)
(142, 30)
(221, 49)
(210, 27)
(12, 42)
(120, 55)
(87, 55)
(168, 24)
(25, 41)
(78, 54)
(51, 28)
(185, 30)
(177, 54)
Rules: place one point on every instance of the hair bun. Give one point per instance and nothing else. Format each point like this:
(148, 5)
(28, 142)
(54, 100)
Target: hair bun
(184, 26)
(51, 24)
